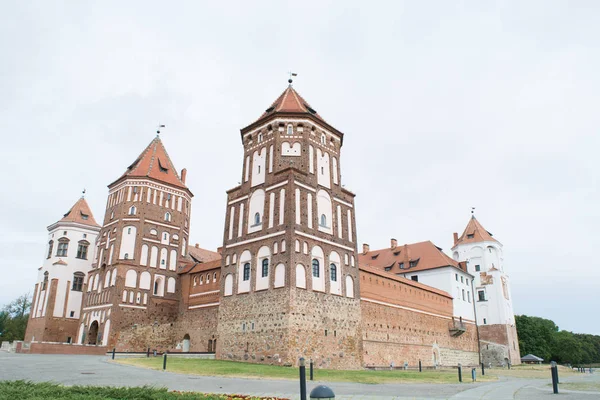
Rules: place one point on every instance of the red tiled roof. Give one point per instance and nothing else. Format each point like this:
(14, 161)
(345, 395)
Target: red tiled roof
(410, 282)
(205, 266)
(422, 255)
(155, 163)
(80, 213)
(202, 255)
(290, 102)
(474, 233)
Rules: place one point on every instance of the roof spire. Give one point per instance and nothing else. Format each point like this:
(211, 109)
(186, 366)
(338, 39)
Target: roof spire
(290, 79)
(158, 130)
(472, 212)
(83, 194)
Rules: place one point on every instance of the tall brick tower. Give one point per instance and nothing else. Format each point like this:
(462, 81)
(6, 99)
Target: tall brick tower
(290, 286)
(131, 300)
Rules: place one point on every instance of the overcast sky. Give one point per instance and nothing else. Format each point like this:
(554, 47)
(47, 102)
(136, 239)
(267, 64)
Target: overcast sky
(444, 105)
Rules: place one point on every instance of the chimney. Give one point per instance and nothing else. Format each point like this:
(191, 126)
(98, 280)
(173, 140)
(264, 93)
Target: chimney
(393, 243)
(455, 237)
(183, 175)
(366, 248)
(197, 245)
(220, 249)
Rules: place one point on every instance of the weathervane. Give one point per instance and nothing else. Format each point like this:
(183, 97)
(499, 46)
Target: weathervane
(158, 130)
(473, 212)
(83, 194)
(290, 79)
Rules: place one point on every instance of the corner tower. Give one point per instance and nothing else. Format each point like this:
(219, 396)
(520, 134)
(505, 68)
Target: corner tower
(131, 301)
(290, 286)
(58, 293)
(493, 304)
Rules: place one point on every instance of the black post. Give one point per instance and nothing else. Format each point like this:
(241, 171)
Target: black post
(113, 355)
(482, 369)
(459, 373)
(311, 369)
(420, 369)
(148, 352)
(554, 372)
(165, 361)
(302, 379)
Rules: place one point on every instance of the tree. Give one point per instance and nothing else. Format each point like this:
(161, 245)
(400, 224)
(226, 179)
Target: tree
(13, 320)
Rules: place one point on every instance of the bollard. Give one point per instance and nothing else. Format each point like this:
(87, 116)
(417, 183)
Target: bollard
(148, 352)
(322, 393)
(420, 370)
(459, 373)
(554, 372)
(302, 379)
(482, 369)
(113, 355)
(474, 374)
(311, 369)
(165, 361)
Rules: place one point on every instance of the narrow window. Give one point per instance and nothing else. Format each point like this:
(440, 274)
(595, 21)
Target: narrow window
(259, 169)
(215, 277)
(469, 296)
(323, 139)
(481, 295)
(415, 278)
(484, 321)
(333, 272)
(257, 219)
(72, 315)
(462, 279)
(290, 129)
(315, 267)
(50, 246)
(260, 138)
(129, 231)
(265, 267)
(463, 294)
(167, 216)
(323, 221)
(478, 268)
(45, 282)
(156, 287)
(132, 210)
(247, 271)
(127, 256)
(456, 277)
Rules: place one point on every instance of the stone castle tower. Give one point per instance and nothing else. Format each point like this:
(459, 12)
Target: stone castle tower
(493, 304)
(58, 293)
(131, 297)
(290, 284)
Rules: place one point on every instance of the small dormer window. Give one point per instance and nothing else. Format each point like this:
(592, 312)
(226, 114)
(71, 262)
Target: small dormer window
(161, 166)
(290, 129)
(470, 235)
(84, 216)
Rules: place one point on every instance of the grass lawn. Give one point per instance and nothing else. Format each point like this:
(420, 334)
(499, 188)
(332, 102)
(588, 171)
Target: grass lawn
(245, 370)
(583, 386)
(21, 390)
(529, 371)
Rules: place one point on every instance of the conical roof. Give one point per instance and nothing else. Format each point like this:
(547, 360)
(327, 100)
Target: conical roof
(80, 213)
(474, 233)
(154, 162)
(290, 102)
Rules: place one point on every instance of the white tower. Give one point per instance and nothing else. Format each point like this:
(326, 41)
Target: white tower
(493, 304)
(56, 305)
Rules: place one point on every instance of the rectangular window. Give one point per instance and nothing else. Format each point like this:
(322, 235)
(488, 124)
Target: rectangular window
(467, 282)
(415, 278)
(462, 279)
(469, 296)
(456, 277)
(62, 249)
(77, 284)
(481, 295)
(477, 268)
(72, 314)
(82, 251)
(485, 322)
(463, 294)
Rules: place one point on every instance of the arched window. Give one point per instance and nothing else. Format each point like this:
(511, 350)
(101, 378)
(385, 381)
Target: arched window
(257, 219)
(195, 281)
(323, 138)
(156, 286)
(247, 271)
(215, 277)
(260, 137)
(315, 267)
(290, 129)
(323, 221)
(202, 279)
(63, 246)
(50, 246)
(265, 267)
(126, 256)
(132, 210)
(45, 282)
(167, 216)
(333, 271)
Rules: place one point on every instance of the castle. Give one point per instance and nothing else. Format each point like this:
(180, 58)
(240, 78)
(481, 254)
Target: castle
(288, 281)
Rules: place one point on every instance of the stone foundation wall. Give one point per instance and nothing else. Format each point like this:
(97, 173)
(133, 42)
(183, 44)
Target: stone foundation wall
(499, 344)
(61, 348)
(201, 326)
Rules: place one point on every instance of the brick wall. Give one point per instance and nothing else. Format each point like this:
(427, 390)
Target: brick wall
(62, 348)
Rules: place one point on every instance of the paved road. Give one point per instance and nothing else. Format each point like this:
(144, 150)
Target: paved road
(97, 370)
